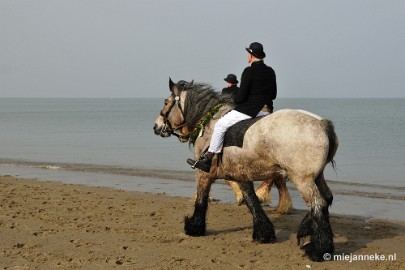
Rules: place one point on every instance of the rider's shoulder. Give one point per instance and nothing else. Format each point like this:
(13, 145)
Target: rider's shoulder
(247, 70)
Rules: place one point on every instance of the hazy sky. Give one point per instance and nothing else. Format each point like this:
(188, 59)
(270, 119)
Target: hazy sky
(129, 48)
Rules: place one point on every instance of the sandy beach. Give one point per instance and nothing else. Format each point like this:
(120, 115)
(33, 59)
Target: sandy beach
(49, 225)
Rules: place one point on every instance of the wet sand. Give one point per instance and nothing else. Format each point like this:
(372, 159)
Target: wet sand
(49, 225)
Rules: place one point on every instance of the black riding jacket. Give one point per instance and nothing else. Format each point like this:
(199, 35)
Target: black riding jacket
(258, 87)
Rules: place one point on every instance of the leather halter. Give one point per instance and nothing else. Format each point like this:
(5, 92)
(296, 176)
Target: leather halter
(168, 126)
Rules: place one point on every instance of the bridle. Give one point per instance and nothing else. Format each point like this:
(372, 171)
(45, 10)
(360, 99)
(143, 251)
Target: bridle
(167, 125)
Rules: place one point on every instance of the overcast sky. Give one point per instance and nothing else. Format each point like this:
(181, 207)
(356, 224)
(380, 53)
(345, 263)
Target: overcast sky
(129, 48)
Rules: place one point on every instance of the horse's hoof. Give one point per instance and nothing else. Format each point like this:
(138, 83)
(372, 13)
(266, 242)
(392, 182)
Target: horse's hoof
(241, 202)
(265, 240)
(317, 256)
(282, 210)
(263, 232)
(193, 228)
(304, 241)
(264, 237)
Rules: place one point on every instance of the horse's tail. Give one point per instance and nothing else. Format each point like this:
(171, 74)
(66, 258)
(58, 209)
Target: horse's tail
(333, 140)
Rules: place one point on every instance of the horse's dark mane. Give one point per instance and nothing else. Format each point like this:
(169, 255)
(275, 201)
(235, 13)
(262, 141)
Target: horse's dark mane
(200, 99)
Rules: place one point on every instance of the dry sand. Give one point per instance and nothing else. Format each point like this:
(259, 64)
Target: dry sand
(49, 225)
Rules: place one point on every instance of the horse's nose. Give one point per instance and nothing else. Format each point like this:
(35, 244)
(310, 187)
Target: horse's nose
(155, 129)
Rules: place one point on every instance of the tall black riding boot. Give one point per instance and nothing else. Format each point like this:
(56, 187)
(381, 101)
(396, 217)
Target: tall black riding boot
(204, 163)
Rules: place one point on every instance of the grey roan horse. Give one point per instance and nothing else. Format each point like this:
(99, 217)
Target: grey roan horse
(291, 144)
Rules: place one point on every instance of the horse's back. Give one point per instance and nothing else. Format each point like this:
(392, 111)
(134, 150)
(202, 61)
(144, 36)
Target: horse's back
(289, 121)
(299, 113)
(295, 138)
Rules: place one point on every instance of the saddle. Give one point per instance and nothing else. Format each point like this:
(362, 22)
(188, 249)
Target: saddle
(235, 134)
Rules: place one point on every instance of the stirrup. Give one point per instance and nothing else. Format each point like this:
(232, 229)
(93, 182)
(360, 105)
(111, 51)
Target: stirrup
(192, 162)
(203, 163)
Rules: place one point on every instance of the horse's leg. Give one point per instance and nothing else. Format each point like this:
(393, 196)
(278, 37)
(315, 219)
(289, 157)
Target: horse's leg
(306, 227)
(324, 189)
(316, 223)
(284, 200)
(195, 225)
(263, 230)
(236, 190)
(322, 238)
(263, 191)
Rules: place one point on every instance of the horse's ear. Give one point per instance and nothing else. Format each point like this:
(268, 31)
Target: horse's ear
(171, 84)
(173, 87)
(188, 84)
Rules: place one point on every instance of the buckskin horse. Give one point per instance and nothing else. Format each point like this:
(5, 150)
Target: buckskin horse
(288, 144)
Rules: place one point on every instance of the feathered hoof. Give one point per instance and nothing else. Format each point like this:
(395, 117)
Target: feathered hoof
(194, 227)
(264, 239)
(317, 256)
(240, 202)
(305, 231)
(282, 210)
(304, 241)
(263, 234)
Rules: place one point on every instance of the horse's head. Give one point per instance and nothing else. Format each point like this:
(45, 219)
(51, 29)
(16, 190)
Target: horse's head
(171, 120)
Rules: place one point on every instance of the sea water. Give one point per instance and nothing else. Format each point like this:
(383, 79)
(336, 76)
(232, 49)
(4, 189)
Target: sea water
(114, 137)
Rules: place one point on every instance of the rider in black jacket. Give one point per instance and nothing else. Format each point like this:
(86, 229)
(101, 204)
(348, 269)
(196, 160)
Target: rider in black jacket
(232, 85)
(257, 88)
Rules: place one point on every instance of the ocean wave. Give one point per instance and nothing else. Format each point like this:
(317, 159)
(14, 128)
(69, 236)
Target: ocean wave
(107, 169)
(338, 187)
